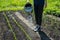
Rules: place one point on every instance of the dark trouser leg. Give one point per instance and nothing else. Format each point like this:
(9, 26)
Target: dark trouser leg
(38, 14)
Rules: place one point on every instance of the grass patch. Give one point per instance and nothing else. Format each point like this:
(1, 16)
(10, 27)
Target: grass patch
(12, 4)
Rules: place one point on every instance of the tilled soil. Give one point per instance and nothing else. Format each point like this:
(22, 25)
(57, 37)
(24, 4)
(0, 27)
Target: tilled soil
(19, 34)
(32, 34)
(51, 26)
(5, 34)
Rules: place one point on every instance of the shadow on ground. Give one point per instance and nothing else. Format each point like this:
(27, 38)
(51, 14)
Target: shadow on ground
(43, 36)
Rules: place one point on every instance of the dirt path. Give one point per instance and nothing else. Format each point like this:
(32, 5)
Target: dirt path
(28, 26)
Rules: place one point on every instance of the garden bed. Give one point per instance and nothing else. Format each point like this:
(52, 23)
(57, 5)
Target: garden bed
(51, 26)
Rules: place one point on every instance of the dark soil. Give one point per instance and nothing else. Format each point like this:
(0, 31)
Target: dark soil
(5, 34)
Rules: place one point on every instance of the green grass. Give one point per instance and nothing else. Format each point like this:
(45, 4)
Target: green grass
(11, 8)
(12, 4)
(52, 5)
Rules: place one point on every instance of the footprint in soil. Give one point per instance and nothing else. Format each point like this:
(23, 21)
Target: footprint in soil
(8, 35)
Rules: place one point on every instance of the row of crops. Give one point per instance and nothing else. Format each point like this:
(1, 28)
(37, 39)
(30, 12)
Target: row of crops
(9, 25)
(12, 4)
(53, 6)
(18, 35)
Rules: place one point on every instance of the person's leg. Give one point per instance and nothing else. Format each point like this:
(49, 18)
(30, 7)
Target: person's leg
(36, 11)
(38, 14)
